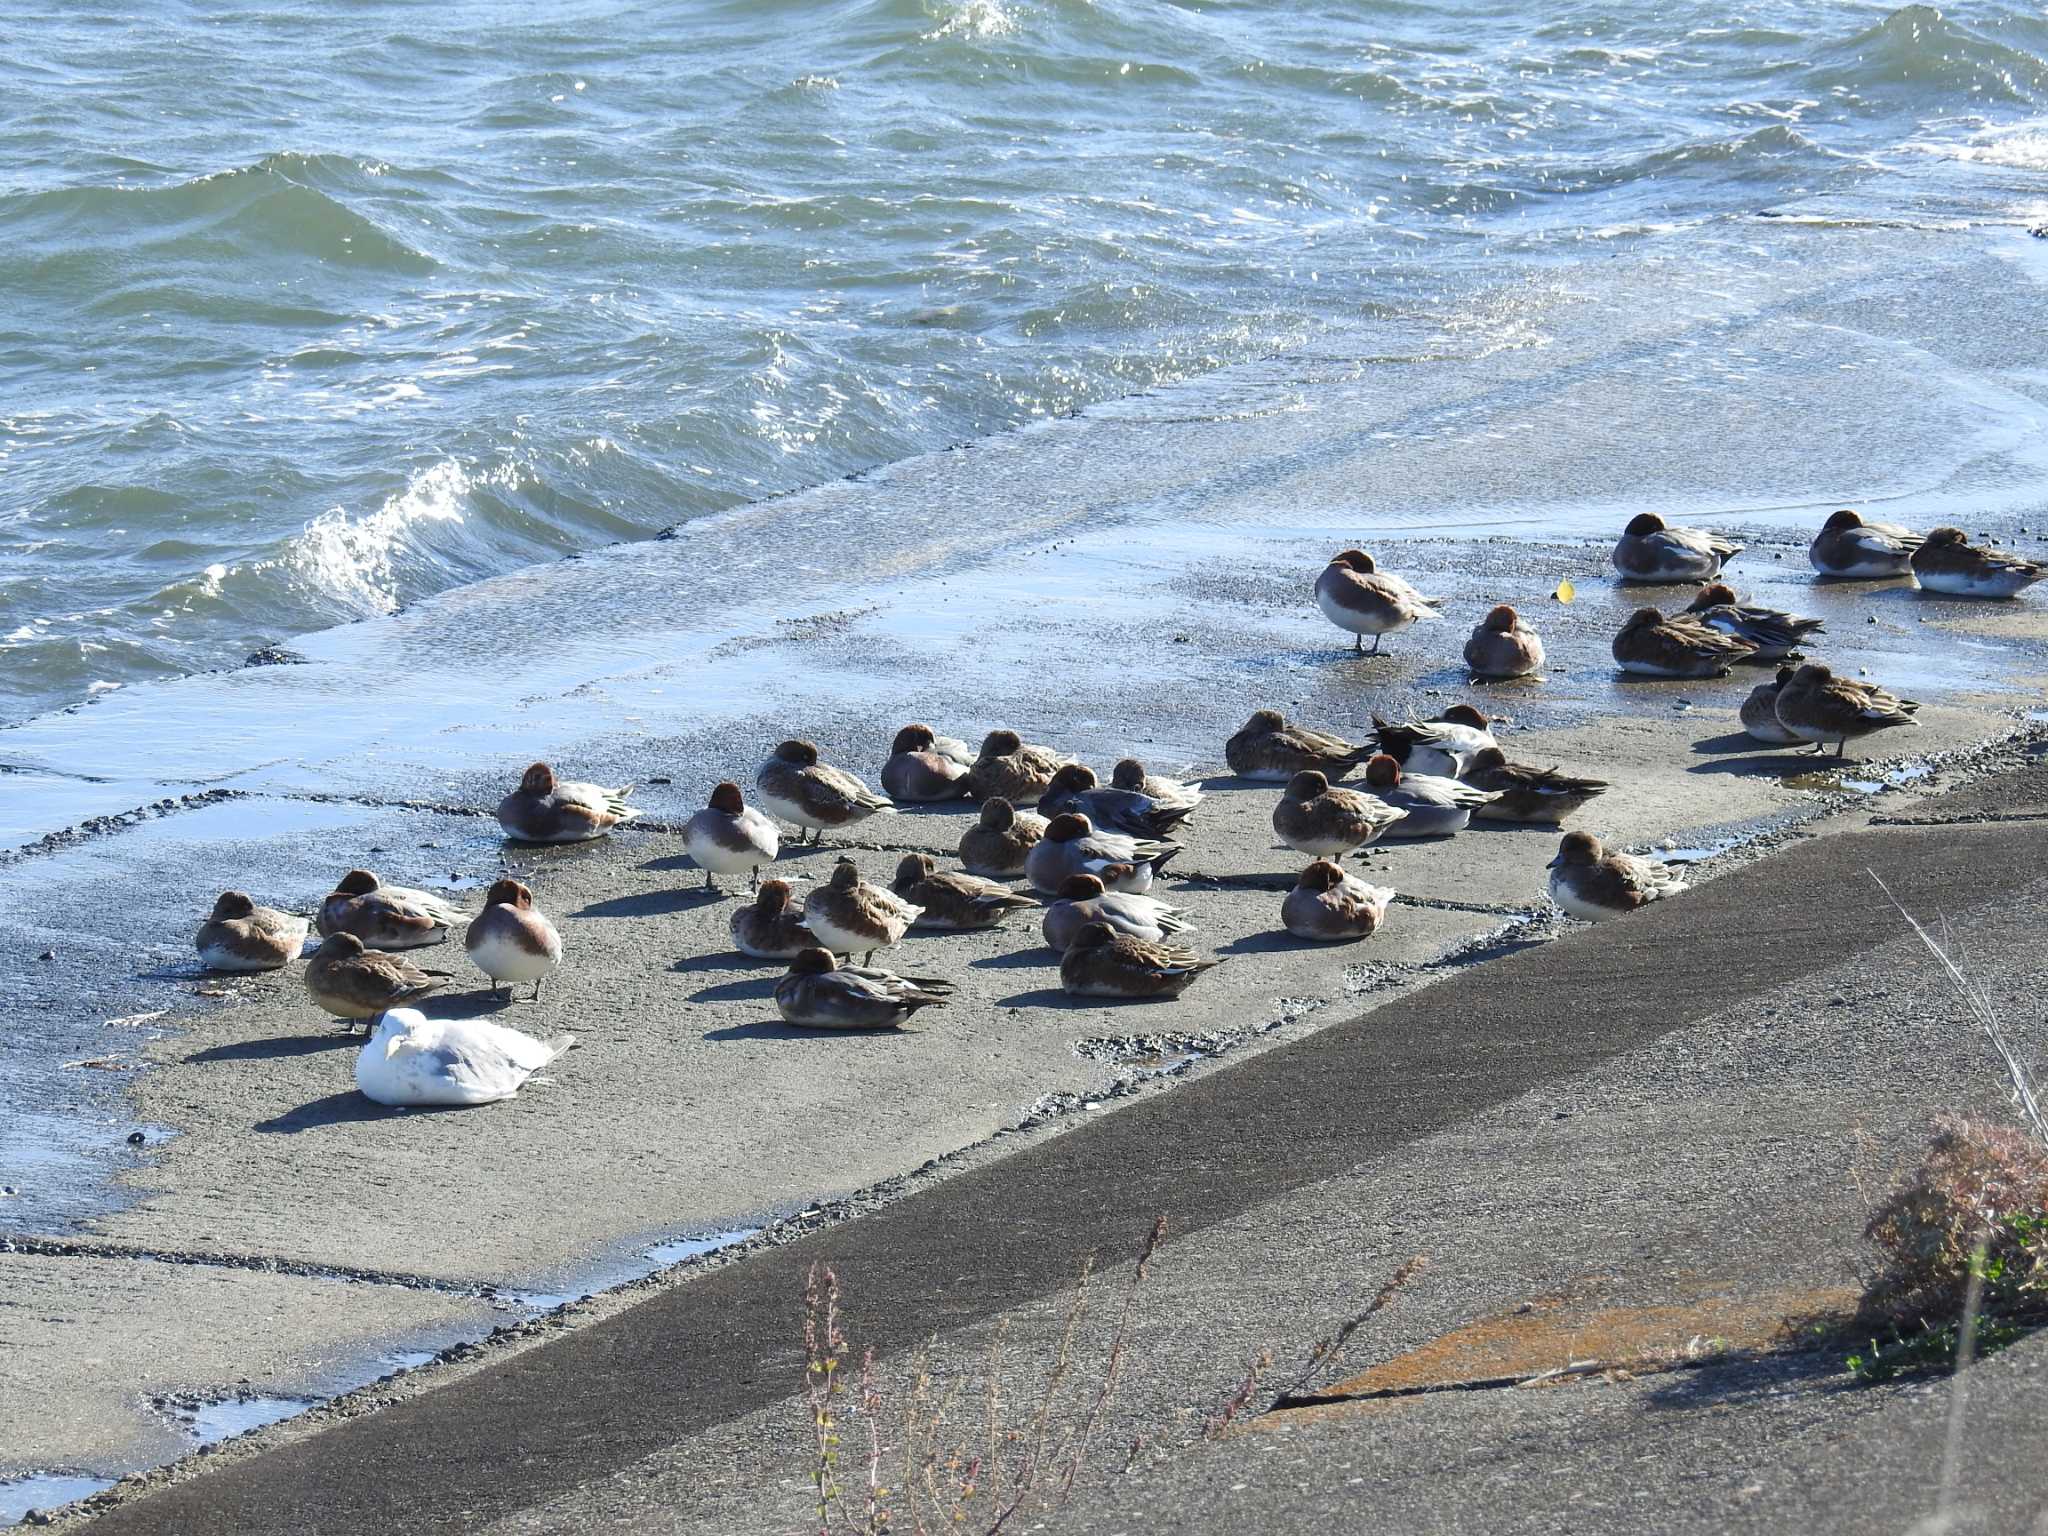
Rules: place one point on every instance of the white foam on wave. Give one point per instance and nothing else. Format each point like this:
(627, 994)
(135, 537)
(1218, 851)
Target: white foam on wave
(2022, 147)
(355, 558)
(973, 18)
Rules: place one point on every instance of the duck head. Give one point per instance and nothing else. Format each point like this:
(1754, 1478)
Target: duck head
(1128, 774)
(1715, 594)
(1489, 757)
(232, 904)
(812, 962)
(1947, 536)
(1320, 876)
(1501, 618)
(1093, 936)
(1265, 720)
(1000, 743)
(727, 798)
(913, 738)
(1469, 714)
(1081, 888)
(1065, 828)
(913, 867)
(1356, 560)
(1307, 784)
(1577, 848)
(1382, 772)
(508, 893)
(772, 897)
(1642, 618)
(1842, 520)
(357, 882)
(802, 753)
(997, 814)
(1644, 524)
(1071, 779)
(845, 875)
(538, 780)
(339, 946)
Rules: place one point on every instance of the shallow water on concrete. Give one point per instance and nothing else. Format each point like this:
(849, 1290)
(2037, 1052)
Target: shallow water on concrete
(45, 1491)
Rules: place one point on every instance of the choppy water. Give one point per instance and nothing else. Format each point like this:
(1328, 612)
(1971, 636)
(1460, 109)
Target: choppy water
(311, 311)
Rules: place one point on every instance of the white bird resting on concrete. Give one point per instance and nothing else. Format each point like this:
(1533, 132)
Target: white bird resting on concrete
(411, 1060)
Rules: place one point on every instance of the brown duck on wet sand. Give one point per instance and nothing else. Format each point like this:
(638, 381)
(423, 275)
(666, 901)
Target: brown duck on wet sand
(1329, 906)
(1527, 794)
(545, 809)
(770, 927)
(1083, 900)
(1679, 646)
(1360, 599)
(510, 941)
(1817, 706)
(240, 936)
(1314, 818)
(1504, 645)
(1131, 774)
(813, 795)
(1104, 963)
(1849, 549)
(850, 917)
(1000, 842)
(1759, 712)
(923, 766)
(1269, 746)
(1129, 811)
(950, 901)
(1650, 550)
(385, 916)
(1013, 768)
(820, 993)
(1948, 562)
(1775, 633)
(356, 984)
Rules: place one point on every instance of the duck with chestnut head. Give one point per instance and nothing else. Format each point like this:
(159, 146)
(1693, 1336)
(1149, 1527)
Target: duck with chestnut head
(820, 993)
(730, 837)
(1777, 635)
(812, 794)
(1651, 644)
(511, 941)
(238, 935)
(1650, 550)
(1001, 839)
(1849, 549)
(1359, 598)
(1594, 883)
(385, 916)
(545, 809)
(1504, 645)
(923, 767)
(1332, 907)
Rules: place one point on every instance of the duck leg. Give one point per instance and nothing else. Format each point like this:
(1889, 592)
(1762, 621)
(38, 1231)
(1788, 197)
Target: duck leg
(1358, 643)
(1376, 639)
(536, 987)
(711, 885)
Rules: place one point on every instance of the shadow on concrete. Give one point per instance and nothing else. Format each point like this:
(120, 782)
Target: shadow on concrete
(1784, 763)
(345, 1108)
(1051, 997)
(737, 991)
(724, 960)
(776, 1029)
(1272, 941)
(653, 903)
(1728, 741)
(1017, 959)
(467, 1005)
(276, 1048)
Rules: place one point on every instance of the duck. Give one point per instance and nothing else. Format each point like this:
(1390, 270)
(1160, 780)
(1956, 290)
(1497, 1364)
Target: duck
(923, 767)
(1331, 907)
(1651, 550)
(1679, 646)
(814, 795)
(949, 901)
(848, 916)
(1129, 811)
(1269, 746)
(545, 809)
(1000, 840)
(820, 993)
(1100, 962)
(1504, 645)
(238, 935)
(511, 941)
(411, 1061)
(385, 916)
(1072, 846)
(1759, 712)
(354, 983)
(1323, 822)
(1817, 706)
(1527, 794)
(1849, 549)
(1362, 600)
(1776, 635)
(1011, 767)
(1593, 884)
(1083, 899)
(1442, 746)
(1130, 774)
(730, 837)
(1948, 562)
(770, 927)
(1436, 807)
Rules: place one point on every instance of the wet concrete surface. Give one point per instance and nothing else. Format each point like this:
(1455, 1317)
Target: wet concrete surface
(1695, 1103)
(1124, 586)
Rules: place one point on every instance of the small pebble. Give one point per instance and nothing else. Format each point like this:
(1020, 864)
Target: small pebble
(48, 954)
(135, 1138)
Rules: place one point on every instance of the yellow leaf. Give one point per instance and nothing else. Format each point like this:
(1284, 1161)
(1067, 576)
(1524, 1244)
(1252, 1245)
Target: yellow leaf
(1565, 591)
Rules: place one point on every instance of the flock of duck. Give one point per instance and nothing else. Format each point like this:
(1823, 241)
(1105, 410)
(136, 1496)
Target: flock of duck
(1092, 853)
